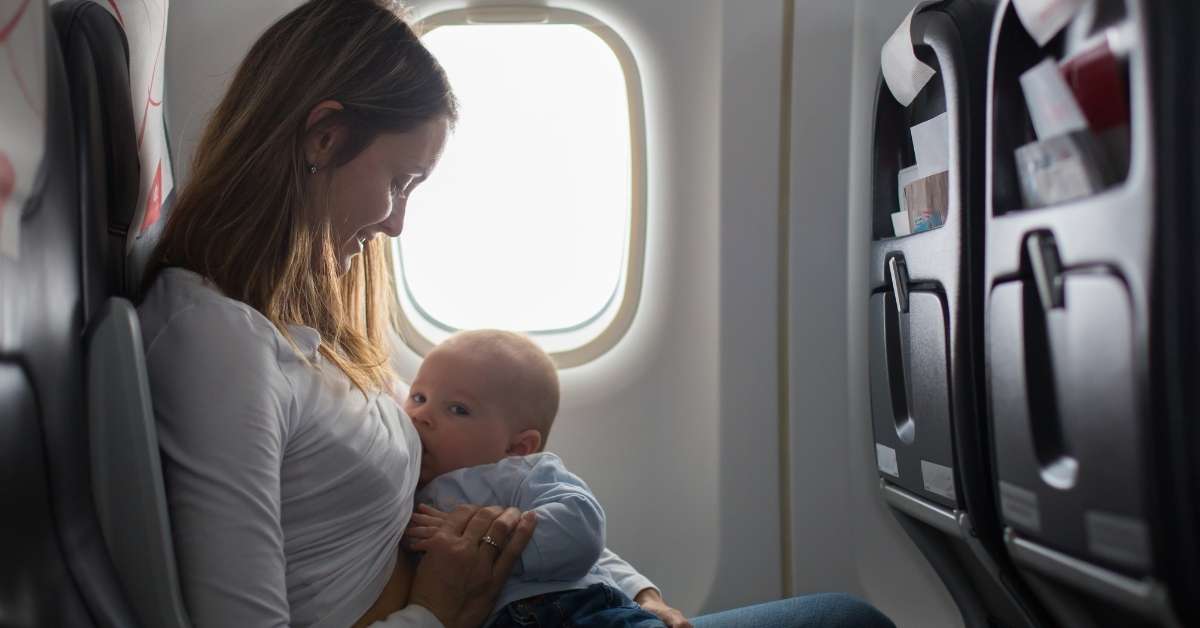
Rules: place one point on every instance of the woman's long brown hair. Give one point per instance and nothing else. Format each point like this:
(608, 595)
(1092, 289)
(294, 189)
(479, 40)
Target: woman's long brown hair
(241, 220)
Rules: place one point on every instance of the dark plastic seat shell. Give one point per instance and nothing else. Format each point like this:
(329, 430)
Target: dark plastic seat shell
(56, 570)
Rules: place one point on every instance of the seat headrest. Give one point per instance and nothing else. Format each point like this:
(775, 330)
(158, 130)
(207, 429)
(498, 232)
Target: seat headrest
(22, 115)
(145, 25)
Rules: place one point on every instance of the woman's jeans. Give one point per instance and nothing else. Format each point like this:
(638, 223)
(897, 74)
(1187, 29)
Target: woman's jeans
(823, 610)
(600, 605)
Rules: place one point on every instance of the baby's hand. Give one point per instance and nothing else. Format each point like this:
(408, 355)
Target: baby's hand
(651, 600)
(424, 524)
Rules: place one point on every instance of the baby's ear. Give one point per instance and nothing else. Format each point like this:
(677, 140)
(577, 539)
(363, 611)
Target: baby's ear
(525, 442)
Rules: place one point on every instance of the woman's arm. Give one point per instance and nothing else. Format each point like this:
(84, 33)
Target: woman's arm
(459, 577)
(411, 616)
(395, 592)
(221, 405)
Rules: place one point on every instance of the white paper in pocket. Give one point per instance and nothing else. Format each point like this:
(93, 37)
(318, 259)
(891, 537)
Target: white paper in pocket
(1044, 18)
(1051, 103)
(900, 224)
(931, 144)
(904, 73)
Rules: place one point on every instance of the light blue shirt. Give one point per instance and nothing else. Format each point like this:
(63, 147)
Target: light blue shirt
(567, 549)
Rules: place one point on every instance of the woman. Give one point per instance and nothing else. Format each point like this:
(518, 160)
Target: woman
(290, 471)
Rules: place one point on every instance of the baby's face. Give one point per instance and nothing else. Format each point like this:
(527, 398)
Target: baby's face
(458, 408)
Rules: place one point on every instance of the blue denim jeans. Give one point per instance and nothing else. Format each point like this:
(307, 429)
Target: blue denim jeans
(594, 607)
(823, 610)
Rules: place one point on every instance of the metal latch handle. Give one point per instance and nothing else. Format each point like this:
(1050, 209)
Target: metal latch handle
(898, 271)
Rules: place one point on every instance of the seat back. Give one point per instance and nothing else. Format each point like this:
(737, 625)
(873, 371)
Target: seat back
(114, 56)
(127, 477)
(55, 568)
(114, 61)
(1080, 299)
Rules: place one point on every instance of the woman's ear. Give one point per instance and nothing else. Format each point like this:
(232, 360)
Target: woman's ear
(525, 442)
(322, 140)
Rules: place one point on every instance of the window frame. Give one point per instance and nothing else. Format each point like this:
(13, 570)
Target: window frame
(614, 319)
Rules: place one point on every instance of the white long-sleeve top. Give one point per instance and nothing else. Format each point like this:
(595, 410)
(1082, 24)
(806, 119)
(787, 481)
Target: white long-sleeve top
(288, 490)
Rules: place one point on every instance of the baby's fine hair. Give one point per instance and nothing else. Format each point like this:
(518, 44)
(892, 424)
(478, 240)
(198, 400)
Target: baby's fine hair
(535, 391)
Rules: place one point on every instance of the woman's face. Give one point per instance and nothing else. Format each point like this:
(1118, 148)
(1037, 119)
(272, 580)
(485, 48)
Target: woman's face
(367, 196)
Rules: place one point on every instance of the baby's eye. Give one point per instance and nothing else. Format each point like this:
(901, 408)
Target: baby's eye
(417, 398)
(458, 409)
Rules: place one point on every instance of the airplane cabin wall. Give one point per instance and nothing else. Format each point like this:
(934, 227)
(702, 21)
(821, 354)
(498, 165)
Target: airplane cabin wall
(820, 492)
(677, 427)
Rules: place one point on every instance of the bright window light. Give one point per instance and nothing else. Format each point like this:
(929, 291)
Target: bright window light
(525, 223)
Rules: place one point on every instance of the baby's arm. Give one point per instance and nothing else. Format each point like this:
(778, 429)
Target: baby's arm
(641, 590)
(628, 580)
(569, 537)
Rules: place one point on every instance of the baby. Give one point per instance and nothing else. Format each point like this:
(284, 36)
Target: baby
(483, 403)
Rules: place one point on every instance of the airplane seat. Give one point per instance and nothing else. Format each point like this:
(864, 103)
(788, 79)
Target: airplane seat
(56, 569)
(1082, 296)
(924, 320)
(114, 53)
(128, 177)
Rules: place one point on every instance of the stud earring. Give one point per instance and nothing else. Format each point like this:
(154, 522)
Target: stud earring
(312, 168)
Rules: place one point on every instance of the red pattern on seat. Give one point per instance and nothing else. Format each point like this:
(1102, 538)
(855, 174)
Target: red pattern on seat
(145, 26)
(22, 112)
(150, 102)
(8, 181)
(154, 199)
(5, 31)
(117, 11)
(11, 24)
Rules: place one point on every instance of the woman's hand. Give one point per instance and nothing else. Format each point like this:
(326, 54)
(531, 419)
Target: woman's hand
(461, 574)
(651, 600)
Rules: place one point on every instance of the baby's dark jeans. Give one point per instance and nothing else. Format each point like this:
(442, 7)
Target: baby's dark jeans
(598, 606)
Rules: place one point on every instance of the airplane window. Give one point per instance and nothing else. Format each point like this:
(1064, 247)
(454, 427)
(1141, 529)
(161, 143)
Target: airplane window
(541, 166)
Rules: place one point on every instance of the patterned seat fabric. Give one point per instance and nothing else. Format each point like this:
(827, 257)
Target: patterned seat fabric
(144, 23)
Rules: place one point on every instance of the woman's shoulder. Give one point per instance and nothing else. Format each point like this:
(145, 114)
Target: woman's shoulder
(186, 303)
(213, 368)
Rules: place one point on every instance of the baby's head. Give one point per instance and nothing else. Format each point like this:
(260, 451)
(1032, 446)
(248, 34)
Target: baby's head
(479, 397)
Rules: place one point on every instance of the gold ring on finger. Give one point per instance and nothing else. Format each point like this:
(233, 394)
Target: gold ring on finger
(490, 541)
